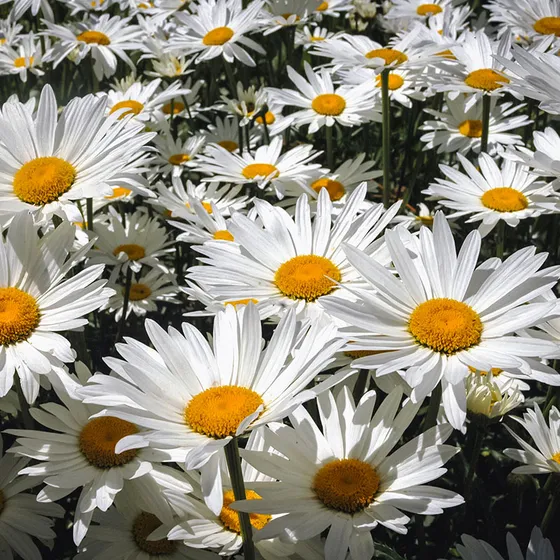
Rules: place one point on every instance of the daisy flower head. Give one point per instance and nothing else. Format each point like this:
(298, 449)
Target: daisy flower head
(348, 480)
(106, 38)
(225, 133)
(333, 8)
(267, 166)
(219, 28)
(417, 9)
(193, 398)
(324, 105)
(26, 56)
(308, 36)
(16, 505)
(10, 31)
(415, 218)
(458, 128)
(80, 453)
(444, 314)
(293, 262)
(21, 6)
(278, 14)
(36, 302)
(508, 192)
(175, 155)
(248, 103)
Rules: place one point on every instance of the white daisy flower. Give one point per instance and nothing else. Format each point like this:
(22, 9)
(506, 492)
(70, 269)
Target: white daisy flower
(26, 56)
(508, 192)
(415, 218)
(10, 32)
(266, 167)
(293, 262)
(248, 102)
(193, 398)
(333, 8)
(417, 9)
(458, 128)
(225, 133)
(21, 517)
(21, 6)
(307, 37)
(36, 302)
(345, 478)
(443, 314)
(174, 155)
(218, 28)
(286, 13)
(48, 162)
(324, 105)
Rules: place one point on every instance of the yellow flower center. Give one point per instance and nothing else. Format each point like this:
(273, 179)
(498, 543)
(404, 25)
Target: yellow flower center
(347, 485)
(447, 54)
(133, 251)
(139, 292)
(269, 118)
(228, 145)
(305, 277)
(395, 81)
(471, 128)
(99, 437)
(132, 107)
(254, 170)
(548, 26)
(504, 199)
(445, 325)
(486, 79)
(94, 38)
(329, 104)
(178, 106)
(388, 55)
(555, 457)
(322, 7)
(118, 192)
(236, 302)
(19, 316)
(316, 38)
(335, 189)
(43, 180)
(144, 525)
(223, 234)
(230, 518)
(288, 15)
(426, 220)
(217, 37)
(494, 371)
(178, 159)
(218, 411)
(428, 9)
(22, 61)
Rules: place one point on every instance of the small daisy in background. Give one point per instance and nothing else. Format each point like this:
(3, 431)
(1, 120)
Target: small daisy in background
(278, 14)
(26, 56)
(175, 155)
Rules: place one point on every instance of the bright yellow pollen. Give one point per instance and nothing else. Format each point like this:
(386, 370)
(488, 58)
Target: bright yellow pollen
(118, 192)
(555, 457)
(133, 251)
(230, 518)
(388, 55)
(19, 316)
(217, 37)
(329, 104)
(223, 234)
(471, 128)
(316, 38)
(494, 371)
(218, 411)
(486, 79)
(447, 54)
(305, 277)
(426, 220)
(139, 292)
(335, 189)
(178, 159)
(548, 26)
(178, 106)
(228, 145)
(428, 9)
(94, 38)
(144, 525)
(395, 81)
(99, 437)
(269, 118)
(322, 7)
(246, 301)
(445, 325)
(43, 180)
(504, 199)
(287, 15)
(254, 170)
(21, 61)
(347, 485)
(132, 107)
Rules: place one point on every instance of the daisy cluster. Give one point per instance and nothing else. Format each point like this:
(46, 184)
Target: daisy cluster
(278, 279)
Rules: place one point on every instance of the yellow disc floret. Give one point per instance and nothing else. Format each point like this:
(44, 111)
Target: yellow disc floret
(118, 192)
(132, 107)
(329, 104)
(178, 106)
(94, 38)
(347, 485)
(486, 79)
(22, 61)
(217, 37)
(223, 234)
(388, 55)
(335, 189)
(178, 159)
(228, 145)
(230, 518)
(133, 251)
(236, 302)
(139, 291)
(504, 199)
(144, 525)
(428, 9)
(445, 325)
(556, 457)
(471, 128)
(43, 180)
(269, 118)
(218, 411)
(19, 316)
(99, 437)
(548, 26)
(395, 81)
(254, 170)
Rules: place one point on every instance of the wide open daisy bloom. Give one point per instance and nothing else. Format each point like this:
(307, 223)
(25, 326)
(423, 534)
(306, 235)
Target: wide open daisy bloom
(106, 38)
(278, 14)
(175, 155)
(21, 517)
(344, 477)
(36, 302)
(193, 398)
(443, 314)
(417, 9)
(26, 56)
(546, 457)
(293, 262)
(324, 105)
(508, 192)
(218, 28)
(48, 162)
(79, 452)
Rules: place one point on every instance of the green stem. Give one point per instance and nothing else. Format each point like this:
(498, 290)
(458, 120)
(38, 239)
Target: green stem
(231, 78)
(127, 285)
(430, 419)
(26, 417)
(486, 101)
(329, 145)
(238, 487)
(550, 512)
(89, 213)
(386, 140)
(500, 238)
(475, 455)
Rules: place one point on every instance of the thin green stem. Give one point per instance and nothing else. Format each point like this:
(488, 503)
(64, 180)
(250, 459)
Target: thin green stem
(475, 456)
(238, 486)
(231, 78)
(128, 283)
(386, 137)
(430, 419)
(329, 147)
(486, 101)
(89, 213)
(550, 512)
(500, 238)
(26, 417)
